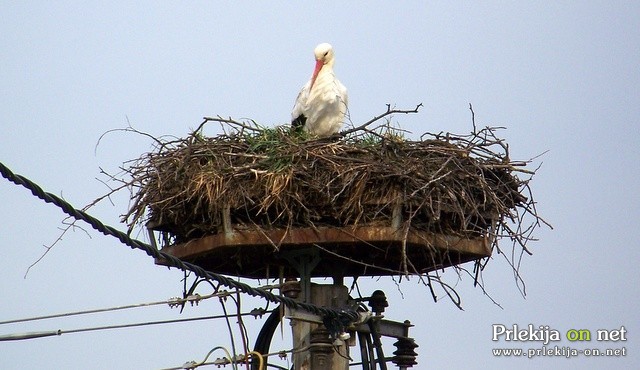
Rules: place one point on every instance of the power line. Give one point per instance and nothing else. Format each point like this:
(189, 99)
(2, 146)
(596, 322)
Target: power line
(37, 191)
(228, 359)
(51, 333)
(196, 298)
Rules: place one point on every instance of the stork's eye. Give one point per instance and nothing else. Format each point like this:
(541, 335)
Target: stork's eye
(325, 53)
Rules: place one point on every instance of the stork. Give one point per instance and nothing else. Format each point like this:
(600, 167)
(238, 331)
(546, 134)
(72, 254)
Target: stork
(322, 103)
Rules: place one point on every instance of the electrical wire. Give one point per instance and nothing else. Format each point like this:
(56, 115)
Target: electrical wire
(222, 300)
(262, 365)
(171, 302)
(226, 316)
(193, 364)
(263, 341)
(170, 260)
(32, 335)
(232, 360)
(260, 359)
(242, 328)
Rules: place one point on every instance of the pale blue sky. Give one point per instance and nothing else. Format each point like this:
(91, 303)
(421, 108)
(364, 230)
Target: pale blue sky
(561, 76)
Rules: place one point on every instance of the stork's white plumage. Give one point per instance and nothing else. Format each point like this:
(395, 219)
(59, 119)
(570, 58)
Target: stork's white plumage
(322, 103)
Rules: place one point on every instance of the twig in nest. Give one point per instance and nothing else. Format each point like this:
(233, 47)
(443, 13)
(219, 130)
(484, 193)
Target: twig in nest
(70, 226)
(130, 128)
(376, 118)
(229, 121)
(473, 119)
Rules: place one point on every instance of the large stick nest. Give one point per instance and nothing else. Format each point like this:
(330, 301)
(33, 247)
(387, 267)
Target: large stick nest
(275, 178)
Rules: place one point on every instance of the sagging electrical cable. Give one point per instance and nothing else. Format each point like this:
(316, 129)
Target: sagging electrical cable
(194, 298)
(263, 341)
(190, 365)
(193, 364)
(51, 333)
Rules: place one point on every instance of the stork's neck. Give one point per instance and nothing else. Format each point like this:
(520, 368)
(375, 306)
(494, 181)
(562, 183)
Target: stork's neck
(326, 70)
(329, 63)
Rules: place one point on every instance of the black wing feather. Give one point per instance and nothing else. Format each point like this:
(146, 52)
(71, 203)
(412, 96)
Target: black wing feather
(299, 121)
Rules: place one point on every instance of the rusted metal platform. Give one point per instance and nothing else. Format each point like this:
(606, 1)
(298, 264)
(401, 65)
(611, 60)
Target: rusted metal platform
(347, 251)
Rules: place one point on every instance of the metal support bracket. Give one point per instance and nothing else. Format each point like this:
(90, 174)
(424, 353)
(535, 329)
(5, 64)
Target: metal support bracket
(304, 261)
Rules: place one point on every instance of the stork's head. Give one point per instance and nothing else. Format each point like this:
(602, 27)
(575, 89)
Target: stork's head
(324, 53)
(324, 56)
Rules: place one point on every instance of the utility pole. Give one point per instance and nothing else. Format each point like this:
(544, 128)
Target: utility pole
(318, 349)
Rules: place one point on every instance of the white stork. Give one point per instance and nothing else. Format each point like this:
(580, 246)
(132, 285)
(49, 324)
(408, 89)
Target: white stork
(322, 102)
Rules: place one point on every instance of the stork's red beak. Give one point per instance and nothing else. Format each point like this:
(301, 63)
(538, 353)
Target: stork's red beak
(319, 64)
